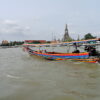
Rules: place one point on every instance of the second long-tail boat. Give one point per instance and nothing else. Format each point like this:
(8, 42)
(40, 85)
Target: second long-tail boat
(91, 56)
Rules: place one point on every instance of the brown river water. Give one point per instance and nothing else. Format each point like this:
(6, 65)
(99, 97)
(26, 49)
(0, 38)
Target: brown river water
(24, 77)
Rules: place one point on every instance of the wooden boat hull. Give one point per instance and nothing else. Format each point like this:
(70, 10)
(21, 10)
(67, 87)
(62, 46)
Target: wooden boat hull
(81, 57)
(89, 60)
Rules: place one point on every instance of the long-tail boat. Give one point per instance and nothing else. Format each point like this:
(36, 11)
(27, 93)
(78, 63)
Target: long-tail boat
(91, 56)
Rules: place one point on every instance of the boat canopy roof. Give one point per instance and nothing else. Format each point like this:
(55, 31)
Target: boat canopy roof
(63, 43)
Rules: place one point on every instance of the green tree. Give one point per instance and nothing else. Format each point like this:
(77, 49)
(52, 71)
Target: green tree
(89, 36)
(36, 42)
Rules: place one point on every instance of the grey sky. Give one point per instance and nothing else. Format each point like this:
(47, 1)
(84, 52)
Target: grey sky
(39, 19)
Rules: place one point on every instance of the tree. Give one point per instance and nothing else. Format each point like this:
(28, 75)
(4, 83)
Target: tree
(36, 42)
(89, 36)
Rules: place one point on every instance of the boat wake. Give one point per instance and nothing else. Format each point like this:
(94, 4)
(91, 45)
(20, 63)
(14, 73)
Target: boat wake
(77, 63)
(11, 76)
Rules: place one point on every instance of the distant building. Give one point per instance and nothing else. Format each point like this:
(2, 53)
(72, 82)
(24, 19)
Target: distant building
(35, 41)
(4, 42)
(66, 36)
(78, 38)
(55, 41)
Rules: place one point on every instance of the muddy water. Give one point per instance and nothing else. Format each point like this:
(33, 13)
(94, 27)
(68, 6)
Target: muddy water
(24, 77)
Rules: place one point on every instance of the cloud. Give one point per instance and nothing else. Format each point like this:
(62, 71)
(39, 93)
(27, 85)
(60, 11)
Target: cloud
(10, 22)
(10, 30)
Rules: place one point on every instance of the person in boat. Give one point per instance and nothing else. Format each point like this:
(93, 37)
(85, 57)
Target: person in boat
(45, 51)
(92, 51)
(76, 51)
(87, 48)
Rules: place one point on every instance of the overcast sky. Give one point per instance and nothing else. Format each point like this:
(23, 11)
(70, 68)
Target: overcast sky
(43, 19)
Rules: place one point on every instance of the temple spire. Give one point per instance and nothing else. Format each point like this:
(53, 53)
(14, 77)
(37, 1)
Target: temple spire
(66, 36)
